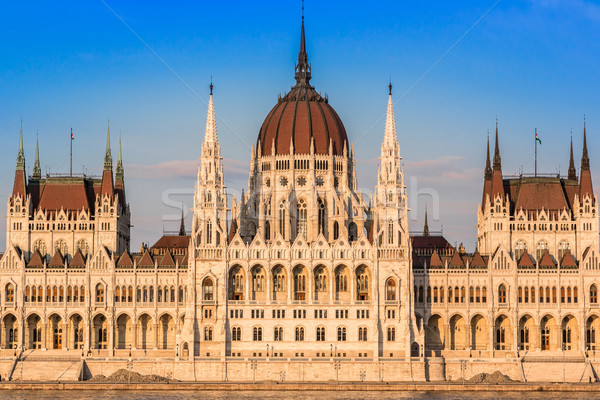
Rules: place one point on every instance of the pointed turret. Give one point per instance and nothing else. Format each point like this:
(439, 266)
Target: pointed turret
(497, 182)
(426, 225)
(182, 225)
(20, 185)
(120, 178)
(390, 137)
(37, 171)
(585, 183)
(107, 175)
(572, 172)
(302, 67)
(210, 133)
(119, 173)
(488, 174)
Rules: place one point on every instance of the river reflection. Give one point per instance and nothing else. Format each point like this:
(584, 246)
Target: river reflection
(284, 395)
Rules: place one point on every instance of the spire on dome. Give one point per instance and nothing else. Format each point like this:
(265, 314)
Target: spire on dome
(37, 171)
(21, 154)
(390, 122)
(572, 172)
(119, 172)
(302, 67)
(426, 225)
(182, 226)
(108, 156)
(210, 133)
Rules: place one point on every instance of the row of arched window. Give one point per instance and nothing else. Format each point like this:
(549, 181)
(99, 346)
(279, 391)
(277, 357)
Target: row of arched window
(54, 294)
(299, 334)
(145, 294)
(477, 294)
(548, 295)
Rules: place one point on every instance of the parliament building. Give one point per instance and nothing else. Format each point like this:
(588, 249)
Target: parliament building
(303, 271)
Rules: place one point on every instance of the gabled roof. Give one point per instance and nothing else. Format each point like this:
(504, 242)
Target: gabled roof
(435, 260)
(125, 260)
(233, 231)
(172, 242)
(526, 261)
(146, 260)
(456, 261)
(36, 261)
(167, 260)
(477, 261)
(568, 261)
(547, 261)
(57, 260)
(78, 260)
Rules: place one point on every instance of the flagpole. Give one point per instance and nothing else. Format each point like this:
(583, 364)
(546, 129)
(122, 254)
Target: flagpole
(71, 158)
(535, 140)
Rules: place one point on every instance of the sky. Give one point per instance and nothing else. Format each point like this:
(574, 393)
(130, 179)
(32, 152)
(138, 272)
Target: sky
(455, 66)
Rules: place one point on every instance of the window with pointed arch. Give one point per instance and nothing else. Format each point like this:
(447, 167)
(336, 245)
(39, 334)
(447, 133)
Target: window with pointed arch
(390, 290)
(10, 293)
(209, 232)
(208, 334)
(236, 334)
(282, 219)
(362, 334)
(520, 249)
(390, 233)
(341, 280)
(542, 248)
(320, 334)
(257, 334)
(299, 334)
(391, 334)
(320, 280)
(301, 219)
(40, 245)
(258, 280)
(336, 230)
(322, 216)
(563, 248)
(278, 334)
(362, 283)
(61, 245)
(83, 246)
(279, 280)
(341, 334)
(237, 283)
(502, 295)
(594, 294)
(207, 289)
(99, 293)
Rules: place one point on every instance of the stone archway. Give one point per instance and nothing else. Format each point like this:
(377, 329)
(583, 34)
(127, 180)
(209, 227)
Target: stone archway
(503, 335)
(570, 333)
(527, 337)
(125, 332)
(434, 334)
(548, 333)
(76, 331)
(145, 332)
(34, 332)
(55, 332)
(479, 333)
(166, 332)
(458, 333)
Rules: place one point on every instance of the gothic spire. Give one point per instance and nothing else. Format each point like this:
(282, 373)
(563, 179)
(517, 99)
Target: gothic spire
(37, 171)
(497, 160)
(426, 226)
(585, 160)
(390, 122)
(119, 172)
(488, 166)
(572, 172)
(182, 226)
(210, 133)
(108, 156)
(302, 67)
(21, 154)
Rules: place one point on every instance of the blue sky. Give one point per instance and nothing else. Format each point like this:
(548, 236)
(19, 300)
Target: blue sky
(532, 64)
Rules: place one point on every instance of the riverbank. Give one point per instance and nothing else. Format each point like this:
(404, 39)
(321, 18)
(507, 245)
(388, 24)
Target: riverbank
(304, 386)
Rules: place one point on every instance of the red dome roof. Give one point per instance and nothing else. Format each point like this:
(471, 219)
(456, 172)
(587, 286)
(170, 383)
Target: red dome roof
(299, 118)
(302, 116)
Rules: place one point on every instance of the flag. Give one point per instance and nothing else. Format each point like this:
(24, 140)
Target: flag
(72, 137)
(538, 138)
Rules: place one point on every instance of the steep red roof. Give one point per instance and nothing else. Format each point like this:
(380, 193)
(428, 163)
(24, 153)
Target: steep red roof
(538, 193)
(526, 261)
(456, 261)
(125, 260)
(146, 260)
(430, 242)
(435, 260)
(172, 242)
(78, 260)
(36, 260)
(57, 260)
(68, 194)
(167, 260)
(19, 186)
(233, 231)
(568, 260)
(547, 261)
(477, 261)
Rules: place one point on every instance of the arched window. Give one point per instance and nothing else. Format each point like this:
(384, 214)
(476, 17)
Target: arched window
(278, 334)
(391, 334)
(267, 231)
(520, 294)
(336, 230)
(257, 334)
(322, 217)
(320, 334)
(563, 248)
(282, 219)
(520, 248)
(236, 334)
(208, 334)
(207, 289)
(40, 245)
(99, 293)
(362, 334)
(542, 248)
(390, 233)
(352, 232)
(279, 280)
(258, 280)
(594, 294)
(209, 232)
(320, 280)
(341, 331)
(83, 246)
(10, 293)
(299, 334)
(421, 294)
(301, 219)
(450, 294)
(502, 294)
(484, 295)
(390, 290)
(562, 294)
(61, 245)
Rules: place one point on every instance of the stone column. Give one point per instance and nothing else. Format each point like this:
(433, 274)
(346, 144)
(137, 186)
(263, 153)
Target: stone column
(468, 338)
(111, 336)
(135, 335)
(44, 336)
(156, 336)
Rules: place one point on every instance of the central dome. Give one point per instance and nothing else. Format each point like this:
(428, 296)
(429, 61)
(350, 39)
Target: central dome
(301, 117)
